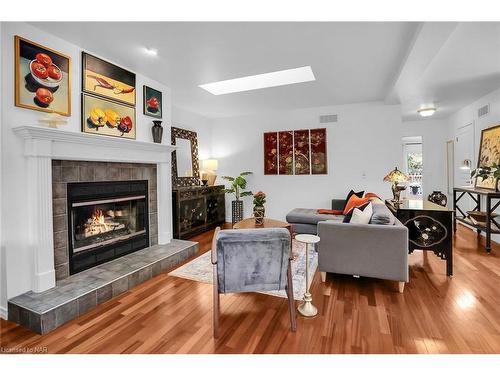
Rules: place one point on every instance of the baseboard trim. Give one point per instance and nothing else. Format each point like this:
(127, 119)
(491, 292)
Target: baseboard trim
(3, 312)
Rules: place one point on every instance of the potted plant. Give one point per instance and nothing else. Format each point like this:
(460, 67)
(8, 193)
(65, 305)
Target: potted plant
(487, 172)
(238, 184)
(259, 210)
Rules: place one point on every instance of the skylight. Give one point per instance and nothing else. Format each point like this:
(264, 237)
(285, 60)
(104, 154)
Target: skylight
(260, 81)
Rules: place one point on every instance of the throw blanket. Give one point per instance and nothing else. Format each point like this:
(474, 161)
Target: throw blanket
(324, 211)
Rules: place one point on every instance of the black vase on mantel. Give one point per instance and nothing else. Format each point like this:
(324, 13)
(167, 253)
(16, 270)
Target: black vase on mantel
(157, 131)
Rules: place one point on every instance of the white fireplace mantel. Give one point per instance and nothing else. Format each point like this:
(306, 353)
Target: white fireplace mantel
(67, 145)
(42, 145)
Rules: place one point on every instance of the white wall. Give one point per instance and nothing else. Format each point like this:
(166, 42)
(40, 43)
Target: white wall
(362, 147)
(3, 273)
(185, 119)
(434, 135)
(18, 258)
(469, 115)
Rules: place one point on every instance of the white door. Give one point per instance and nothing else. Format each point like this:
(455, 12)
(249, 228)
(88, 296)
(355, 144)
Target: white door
(450, 168)
(464, 150)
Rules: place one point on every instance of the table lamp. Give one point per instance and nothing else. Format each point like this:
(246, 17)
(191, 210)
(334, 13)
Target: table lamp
(209, 167)
(396, 177)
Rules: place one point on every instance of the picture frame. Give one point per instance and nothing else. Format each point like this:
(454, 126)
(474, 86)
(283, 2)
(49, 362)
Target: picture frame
(107, 80)
(302, 152)
(285, 149)
(270, 153)
(489, 153)
(295, 152)
(152, 102)
(319, 157)
(105, 117)
(42, 78)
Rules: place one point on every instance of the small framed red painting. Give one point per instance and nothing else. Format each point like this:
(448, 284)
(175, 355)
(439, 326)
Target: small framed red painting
(318, 151)
(271, 153)
(285, 152)
(302, 152)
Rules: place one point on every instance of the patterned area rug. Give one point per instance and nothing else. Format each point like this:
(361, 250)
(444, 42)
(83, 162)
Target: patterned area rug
(200, 269)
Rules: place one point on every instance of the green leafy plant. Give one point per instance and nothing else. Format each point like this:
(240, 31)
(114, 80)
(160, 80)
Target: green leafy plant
(259, 198)
(238, 184)
(485, 172)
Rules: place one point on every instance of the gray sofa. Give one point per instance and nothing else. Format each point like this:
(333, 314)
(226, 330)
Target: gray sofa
(371, 250)
(305, 220)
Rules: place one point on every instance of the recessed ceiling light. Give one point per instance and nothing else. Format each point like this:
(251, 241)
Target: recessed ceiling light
(151, 51)
(260, 81)
(427, 111)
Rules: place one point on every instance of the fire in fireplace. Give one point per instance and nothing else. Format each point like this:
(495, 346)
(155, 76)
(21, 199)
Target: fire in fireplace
(106, 220)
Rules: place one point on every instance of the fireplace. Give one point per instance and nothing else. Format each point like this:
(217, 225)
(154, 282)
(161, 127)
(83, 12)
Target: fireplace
(106, 220)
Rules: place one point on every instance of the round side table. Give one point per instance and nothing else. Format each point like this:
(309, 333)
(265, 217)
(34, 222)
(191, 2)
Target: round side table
(307, 308)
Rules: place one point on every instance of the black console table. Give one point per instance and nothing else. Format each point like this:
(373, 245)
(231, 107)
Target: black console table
(429, 227)
(491, 225)
(196, 209)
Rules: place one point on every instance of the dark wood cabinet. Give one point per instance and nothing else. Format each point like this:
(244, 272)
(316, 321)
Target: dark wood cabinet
(196, 209)
(429, 227)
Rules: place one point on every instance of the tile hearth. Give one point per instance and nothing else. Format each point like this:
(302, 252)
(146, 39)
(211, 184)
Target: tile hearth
(74, 296)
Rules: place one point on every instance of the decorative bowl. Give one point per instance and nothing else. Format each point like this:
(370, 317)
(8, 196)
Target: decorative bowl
(47, 82)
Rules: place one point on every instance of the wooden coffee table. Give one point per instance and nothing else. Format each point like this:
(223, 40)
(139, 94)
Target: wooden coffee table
(268, 223)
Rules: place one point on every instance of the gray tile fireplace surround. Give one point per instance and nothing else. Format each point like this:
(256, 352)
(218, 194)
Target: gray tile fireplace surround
(64, 171)
(78, 294)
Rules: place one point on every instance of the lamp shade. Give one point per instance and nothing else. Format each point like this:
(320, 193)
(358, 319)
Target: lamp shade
(210, 164)
(396, 176)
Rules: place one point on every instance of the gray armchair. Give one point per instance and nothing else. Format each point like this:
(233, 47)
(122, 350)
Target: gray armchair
(251, 260)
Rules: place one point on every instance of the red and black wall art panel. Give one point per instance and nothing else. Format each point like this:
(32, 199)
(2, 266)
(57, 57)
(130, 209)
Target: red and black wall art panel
(271, 153)
(299, 152)
(318, 151)
(285, 152)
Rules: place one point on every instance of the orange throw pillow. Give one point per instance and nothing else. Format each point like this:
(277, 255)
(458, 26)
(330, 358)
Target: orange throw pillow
(354, 201)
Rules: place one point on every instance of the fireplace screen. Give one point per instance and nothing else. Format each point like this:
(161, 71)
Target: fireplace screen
(106, 221)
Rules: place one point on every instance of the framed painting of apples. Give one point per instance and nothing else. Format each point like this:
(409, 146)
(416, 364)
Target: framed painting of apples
(106, 117)
(152, 102)
(42, 78)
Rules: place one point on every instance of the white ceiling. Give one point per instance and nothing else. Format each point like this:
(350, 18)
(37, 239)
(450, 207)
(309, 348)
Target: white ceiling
(451, 64)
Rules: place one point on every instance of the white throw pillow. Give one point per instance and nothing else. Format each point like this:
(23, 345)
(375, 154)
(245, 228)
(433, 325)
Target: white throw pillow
(362, 217)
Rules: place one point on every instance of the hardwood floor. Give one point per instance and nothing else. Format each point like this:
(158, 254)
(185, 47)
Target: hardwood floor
(435, 314)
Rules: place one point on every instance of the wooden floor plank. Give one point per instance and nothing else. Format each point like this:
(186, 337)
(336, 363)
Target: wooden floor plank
(435, 314)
